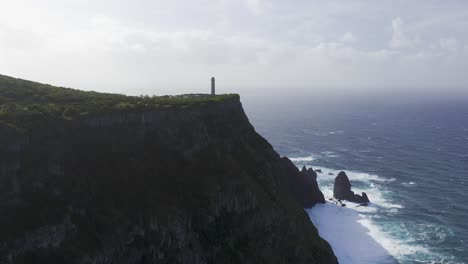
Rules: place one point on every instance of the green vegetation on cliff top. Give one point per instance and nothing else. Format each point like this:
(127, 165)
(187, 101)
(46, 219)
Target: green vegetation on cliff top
(23, 101)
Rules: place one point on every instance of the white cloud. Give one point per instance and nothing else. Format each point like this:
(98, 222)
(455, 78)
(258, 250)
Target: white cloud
(136, 49)
(400, 40)
(254, 6)
(450, 44)
(348, 37)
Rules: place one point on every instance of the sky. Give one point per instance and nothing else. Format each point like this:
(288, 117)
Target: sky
(280, 47)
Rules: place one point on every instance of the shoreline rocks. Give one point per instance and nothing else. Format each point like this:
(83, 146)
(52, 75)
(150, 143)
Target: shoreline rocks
(342, 190)
(303, 184)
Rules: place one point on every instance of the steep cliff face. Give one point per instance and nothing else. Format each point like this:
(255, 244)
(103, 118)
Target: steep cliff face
(192, 184)
(302, 184)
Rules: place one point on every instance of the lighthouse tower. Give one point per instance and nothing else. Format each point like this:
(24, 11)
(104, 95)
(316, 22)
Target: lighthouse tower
(213, 84)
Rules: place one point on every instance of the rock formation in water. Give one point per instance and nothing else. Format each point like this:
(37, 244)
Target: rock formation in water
(99, 178)
(342, 190)
(302, 184)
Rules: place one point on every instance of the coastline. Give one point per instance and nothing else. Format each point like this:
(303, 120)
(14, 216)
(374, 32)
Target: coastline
(350, 230)
(346, 231)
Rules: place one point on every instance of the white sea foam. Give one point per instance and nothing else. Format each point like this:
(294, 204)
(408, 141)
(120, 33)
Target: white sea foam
(312, 157)
(371, 185)
(346, 231)
(352, 175)
(303, 159)
(352, 230)
(392, 245)
(329, 154)
(336, 132)
(355, 238)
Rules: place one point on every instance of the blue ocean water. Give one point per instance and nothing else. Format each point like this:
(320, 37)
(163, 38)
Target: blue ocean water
(410, 157)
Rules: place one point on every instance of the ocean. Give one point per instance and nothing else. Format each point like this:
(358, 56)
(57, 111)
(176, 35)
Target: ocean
(409, 156)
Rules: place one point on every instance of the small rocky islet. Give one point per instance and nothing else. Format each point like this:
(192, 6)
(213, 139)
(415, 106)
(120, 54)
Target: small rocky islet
(342, 190)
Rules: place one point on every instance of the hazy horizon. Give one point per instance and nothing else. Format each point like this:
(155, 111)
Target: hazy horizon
(252, 47)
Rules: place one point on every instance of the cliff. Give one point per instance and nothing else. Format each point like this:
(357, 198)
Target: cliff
(99, 178)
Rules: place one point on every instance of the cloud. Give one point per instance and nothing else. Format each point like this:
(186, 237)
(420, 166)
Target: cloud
(254, 6)
(400, 40)
(348, 37)
(450, 44)
(243, 43)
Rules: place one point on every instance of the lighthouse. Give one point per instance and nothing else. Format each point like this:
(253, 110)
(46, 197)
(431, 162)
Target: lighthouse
(213, 86)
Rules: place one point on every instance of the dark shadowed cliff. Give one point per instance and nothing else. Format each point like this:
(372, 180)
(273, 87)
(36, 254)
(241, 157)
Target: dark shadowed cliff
(96, 178)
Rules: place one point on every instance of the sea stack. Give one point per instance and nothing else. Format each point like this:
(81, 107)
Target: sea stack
(342, 190)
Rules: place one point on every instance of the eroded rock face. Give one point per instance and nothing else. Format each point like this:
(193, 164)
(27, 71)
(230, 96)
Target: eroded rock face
(342, 190)
(182, 185)
(302, 184)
